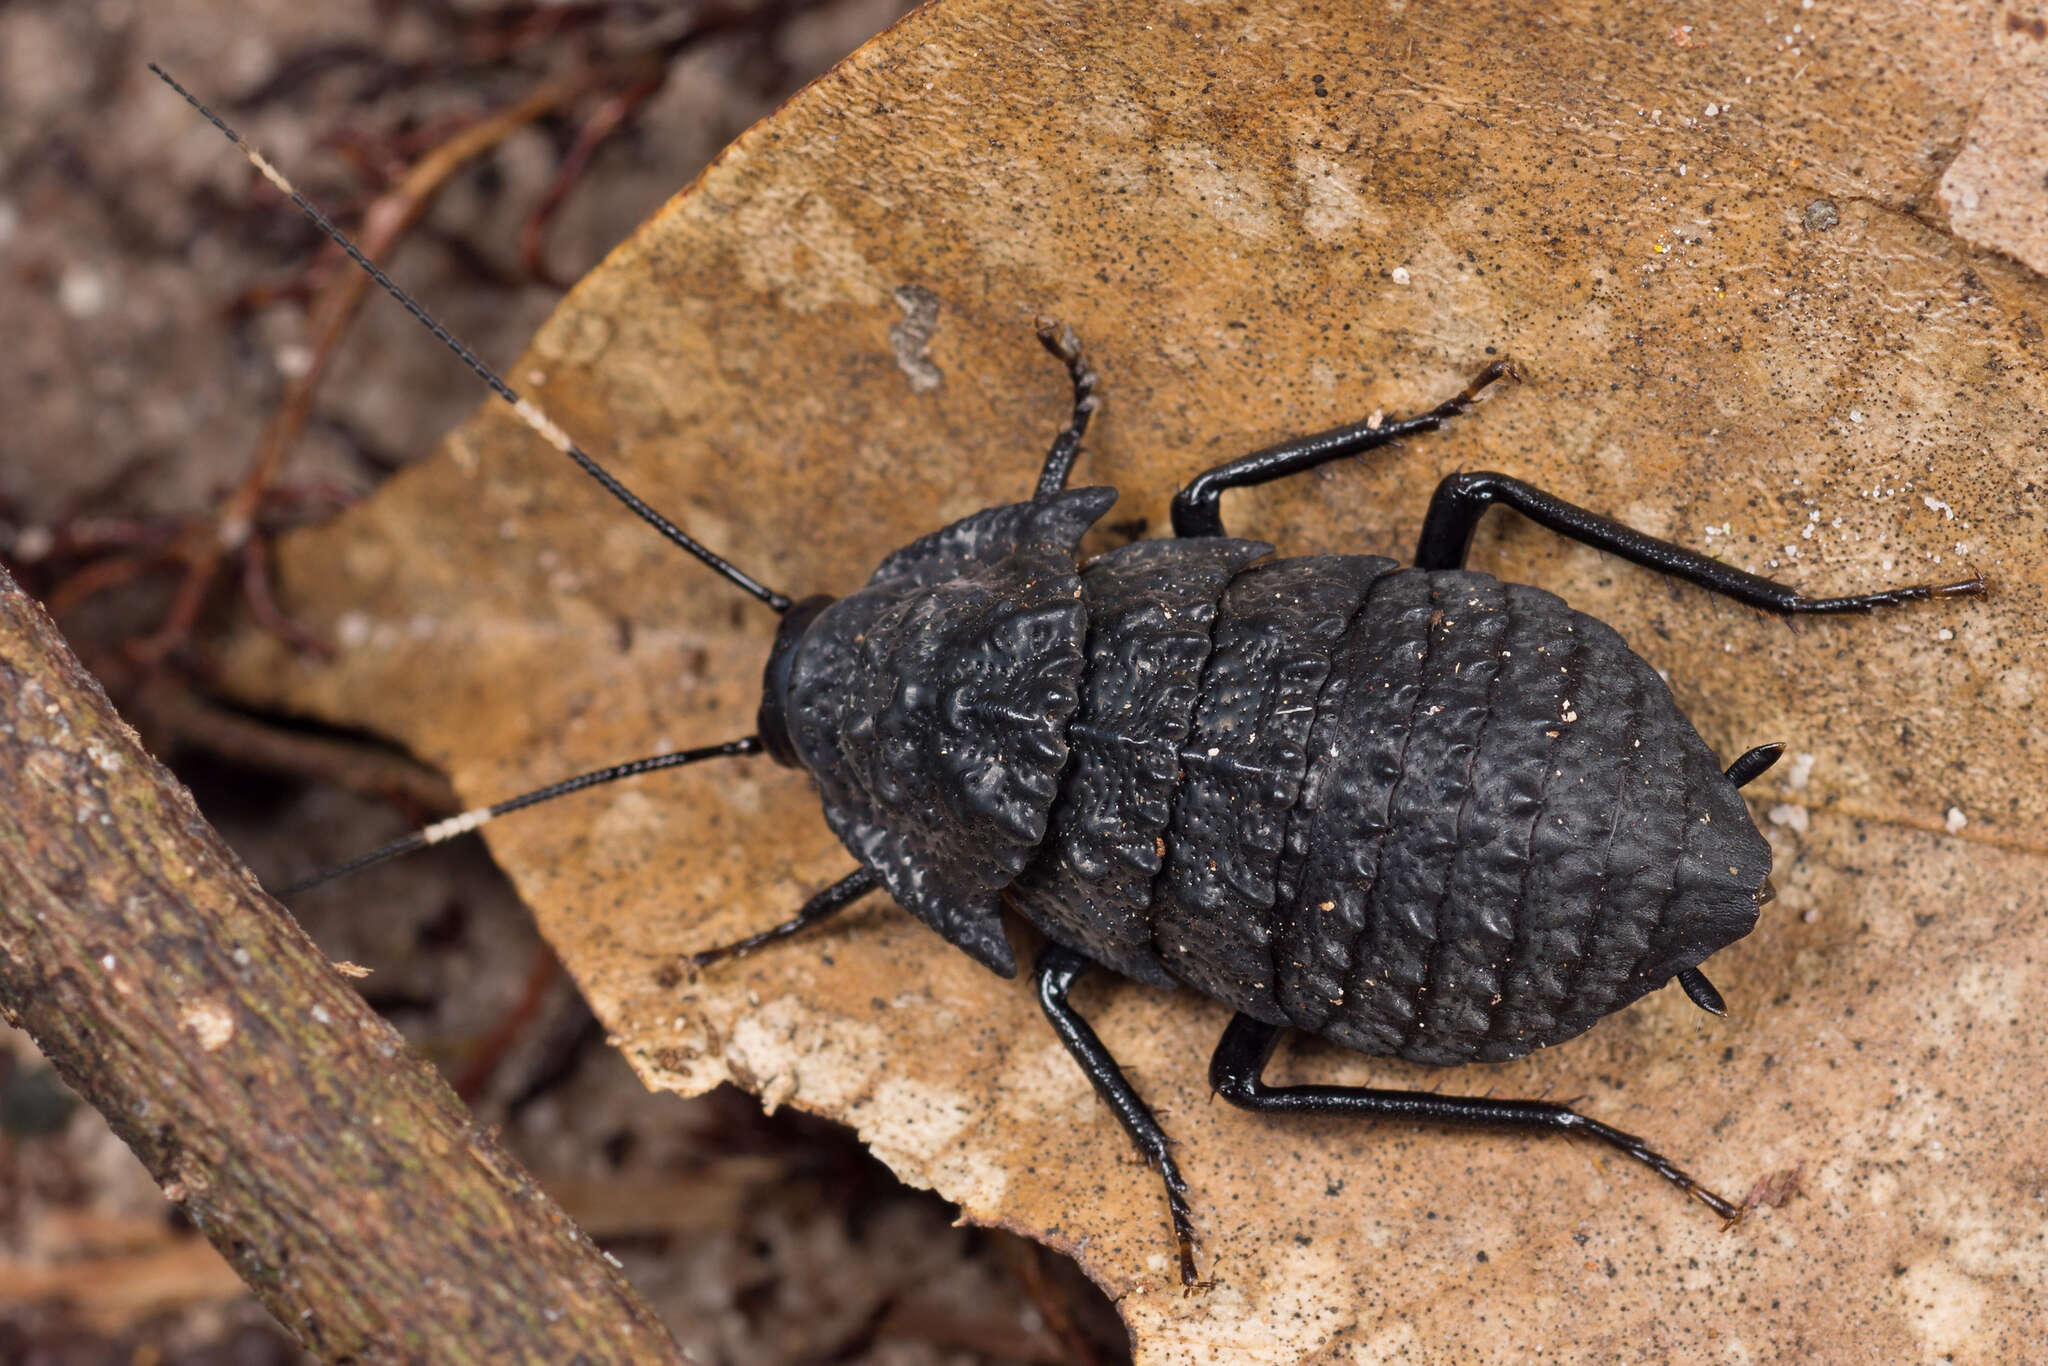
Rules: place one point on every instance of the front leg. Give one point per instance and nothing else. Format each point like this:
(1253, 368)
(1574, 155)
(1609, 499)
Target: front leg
(823, 906)
(1058, 969)
(1059, 340)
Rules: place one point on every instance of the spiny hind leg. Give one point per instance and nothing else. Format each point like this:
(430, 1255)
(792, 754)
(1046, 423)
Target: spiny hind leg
(1247, 1045)
(1057, 971)
(1462, 499)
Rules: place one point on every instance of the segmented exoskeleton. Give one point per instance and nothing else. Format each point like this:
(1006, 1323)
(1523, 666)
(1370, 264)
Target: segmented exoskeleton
(1419, 812)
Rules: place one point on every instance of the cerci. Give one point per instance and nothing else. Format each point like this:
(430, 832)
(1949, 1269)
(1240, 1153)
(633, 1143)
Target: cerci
(1416, 811)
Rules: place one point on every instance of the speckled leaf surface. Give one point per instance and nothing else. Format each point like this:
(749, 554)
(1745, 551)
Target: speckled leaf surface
(1717, 241)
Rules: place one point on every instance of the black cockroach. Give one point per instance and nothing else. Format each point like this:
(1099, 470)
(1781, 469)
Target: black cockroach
(1419, 812)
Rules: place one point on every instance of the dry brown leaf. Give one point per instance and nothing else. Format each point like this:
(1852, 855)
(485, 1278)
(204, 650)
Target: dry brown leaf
(1996, 189)
(1712, 244)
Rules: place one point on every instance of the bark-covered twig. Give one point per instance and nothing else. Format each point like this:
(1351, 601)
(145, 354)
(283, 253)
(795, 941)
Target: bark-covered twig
(336, 1172)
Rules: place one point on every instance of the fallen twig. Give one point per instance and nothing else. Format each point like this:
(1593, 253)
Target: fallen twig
(337, 1173)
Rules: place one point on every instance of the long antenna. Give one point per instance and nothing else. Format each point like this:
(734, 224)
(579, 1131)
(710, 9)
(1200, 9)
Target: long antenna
(528, 412)
(471, 820)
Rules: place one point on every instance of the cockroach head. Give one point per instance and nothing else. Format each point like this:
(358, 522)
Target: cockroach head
(773, 719)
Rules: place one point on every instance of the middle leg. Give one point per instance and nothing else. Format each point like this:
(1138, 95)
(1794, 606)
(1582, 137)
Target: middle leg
(1197, 509)
(1058, 969)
